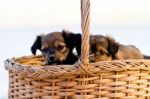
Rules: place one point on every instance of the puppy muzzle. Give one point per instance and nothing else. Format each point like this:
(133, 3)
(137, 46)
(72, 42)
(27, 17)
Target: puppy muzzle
(51, 59)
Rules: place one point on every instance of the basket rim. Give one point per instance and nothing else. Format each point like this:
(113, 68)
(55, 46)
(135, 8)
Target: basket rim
(59, 70)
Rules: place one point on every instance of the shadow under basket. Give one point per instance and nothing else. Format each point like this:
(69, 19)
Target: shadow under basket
(118, 79)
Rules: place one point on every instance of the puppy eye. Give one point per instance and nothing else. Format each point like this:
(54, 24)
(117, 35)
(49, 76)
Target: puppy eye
(60, 47)
(43, 50)
(102, 52)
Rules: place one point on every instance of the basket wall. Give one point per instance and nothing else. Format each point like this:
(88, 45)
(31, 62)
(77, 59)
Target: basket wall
(108, 85)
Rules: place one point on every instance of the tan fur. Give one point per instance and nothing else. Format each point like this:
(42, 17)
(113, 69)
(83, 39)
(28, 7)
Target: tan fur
(95, 58)
(61, 54)
(128, 52)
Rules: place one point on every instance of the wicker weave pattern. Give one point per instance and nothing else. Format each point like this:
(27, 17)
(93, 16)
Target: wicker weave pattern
(128, 79)
(31, 66)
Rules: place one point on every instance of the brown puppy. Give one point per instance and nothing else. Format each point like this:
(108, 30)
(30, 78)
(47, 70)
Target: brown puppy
(57, 47)
(102, 48)
(106, 48)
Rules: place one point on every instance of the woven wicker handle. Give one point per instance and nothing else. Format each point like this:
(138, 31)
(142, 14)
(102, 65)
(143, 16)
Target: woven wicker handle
(85, 26)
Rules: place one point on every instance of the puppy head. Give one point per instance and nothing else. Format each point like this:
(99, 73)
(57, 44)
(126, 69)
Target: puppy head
(103, 48)
(113, 46)
(55, 47)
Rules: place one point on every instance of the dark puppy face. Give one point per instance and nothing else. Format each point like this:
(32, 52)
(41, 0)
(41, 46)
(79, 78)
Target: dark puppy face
(103, 47)
(56, 47)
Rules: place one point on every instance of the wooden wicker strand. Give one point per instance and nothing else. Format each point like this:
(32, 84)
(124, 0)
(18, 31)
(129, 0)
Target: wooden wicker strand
(85, 25)
(84, 69)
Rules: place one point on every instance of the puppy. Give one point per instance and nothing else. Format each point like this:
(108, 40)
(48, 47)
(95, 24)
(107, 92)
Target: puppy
(102, 48)
(106, 48)
(57, 47)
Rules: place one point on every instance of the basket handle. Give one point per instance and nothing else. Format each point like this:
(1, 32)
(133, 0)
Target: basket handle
(85, 26)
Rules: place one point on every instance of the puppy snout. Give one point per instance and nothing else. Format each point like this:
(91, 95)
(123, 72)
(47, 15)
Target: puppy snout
(52, 58)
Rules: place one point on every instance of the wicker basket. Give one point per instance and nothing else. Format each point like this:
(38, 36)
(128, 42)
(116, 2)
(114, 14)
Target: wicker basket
(118, 79)
(128, 79)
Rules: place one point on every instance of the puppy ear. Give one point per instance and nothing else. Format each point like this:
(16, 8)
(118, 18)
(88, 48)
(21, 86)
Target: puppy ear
(113, 46)
(36, 45)
(92, 43)
(72, 40)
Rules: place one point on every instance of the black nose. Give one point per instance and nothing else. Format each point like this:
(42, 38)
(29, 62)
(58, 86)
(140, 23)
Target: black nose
(52, 58)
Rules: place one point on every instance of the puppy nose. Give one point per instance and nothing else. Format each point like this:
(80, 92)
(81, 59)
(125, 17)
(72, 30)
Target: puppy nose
(52, 58)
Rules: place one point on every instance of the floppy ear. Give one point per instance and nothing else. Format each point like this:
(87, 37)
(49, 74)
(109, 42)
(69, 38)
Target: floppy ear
(113, 46)
(36, 45)
(73, 41)
(92, 43)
